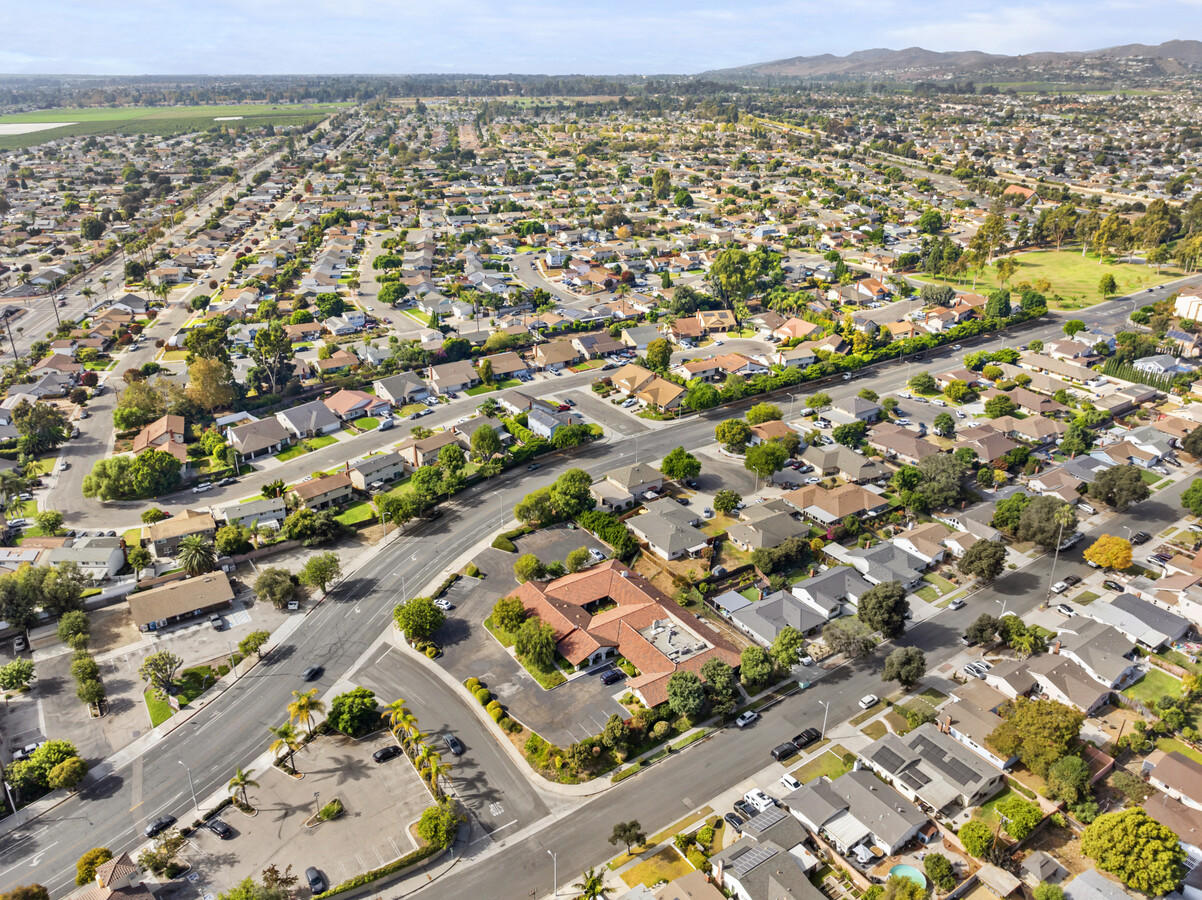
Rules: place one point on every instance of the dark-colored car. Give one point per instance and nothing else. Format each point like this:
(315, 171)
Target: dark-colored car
(1070, 580)
(159, 825)
(317, 881)
(534, 466)
(807, 737)
(1140, 537)
(612, 676)
(1112, 585)
(735, 821)
(227, 481)
(683, 501)
(220, 829)
(312, 673)
(784, 751)
(386, 753)
(453, 744)
(745, 809)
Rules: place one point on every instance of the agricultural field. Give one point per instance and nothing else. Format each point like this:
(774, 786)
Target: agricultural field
(19, 130)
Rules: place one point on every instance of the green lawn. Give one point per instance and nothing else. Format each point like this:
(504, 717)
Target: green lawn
(829, 763)
(666, 865)
(941, 584)
(366, 423)
(159, 710)
(503, 636)
(1086, 597)
(292, 452)
(1150, 478)
(1168, 745)
(588, 364)
(480, 389)
(1073, 276)
(357, 513)
(987, 812)
(932, 696)
(321, 441)
(1154, 685)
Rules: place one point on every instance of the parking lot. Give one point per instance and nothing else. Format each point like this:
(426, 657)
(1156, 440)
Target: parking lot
(381, 800)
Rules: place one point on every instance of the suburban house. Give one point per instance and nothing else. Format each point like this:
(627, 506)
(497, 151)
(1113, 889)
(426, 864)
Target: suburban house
(639, 336)
(177, 601)
(1056, 677)
(452, 377)
(163, 537)
(309, 420)
(592, 346)
(843, 461)
(828, 507)
(1180, 777)
(401, 389)
(661, 394)
(881, 563)
(545, 424)
(1139, 620)
(168, 434)
(924, 542)
(766, 524)
(769, 861)
(628, 484)
(117, 879)
(350, 405)
(834, 591)
(900, 444)
(669, 530)
(258, 438)
(505, 365)
(556, 355)
(380, 468)
(973, 717)
(418, 452)
(932, 769)
(609, 610)
(266, 512)
(856, 812)
(764, 619)
(1102, 651)
(99, 558)
(630, 379)
(324, 492)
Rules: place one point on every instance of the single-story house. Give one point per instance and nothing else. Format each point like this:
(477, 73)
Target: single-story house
(324, 492)
(176, 601)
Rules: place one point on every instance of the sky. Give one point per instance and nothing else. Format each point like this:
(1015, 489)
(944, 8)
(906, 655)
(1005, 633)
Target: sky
(150, 37)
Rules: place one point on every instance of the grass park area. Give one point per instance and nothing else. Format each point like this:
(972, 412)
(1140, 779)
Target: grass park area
(1073, 276)
(160, 120)
(191, 683)
(1154, 685)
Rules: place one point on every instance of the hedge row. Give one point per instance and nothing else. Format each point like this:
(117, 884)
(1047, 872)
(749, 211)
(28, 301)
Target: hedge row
(419, 855)
(607, 527)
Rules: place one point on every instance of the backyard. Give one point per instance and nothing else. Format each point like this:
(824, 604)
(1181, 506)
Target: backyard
(1154, 685)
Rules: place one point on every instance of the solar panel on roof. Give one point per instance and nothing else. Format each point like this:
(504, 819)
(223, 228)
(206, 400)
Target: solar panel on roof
(962, 773)
(915, 779)
(888, 759)
(745, 862)
(766, 819)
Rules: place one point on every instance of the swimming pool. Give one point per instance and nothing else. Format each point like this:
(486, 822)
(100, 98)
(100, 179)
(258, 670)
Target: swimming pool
(910, 872)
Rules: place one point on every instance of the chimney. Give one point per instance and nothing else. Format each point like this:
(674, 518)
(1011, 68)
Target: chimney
(946, 725)
(1056, 647)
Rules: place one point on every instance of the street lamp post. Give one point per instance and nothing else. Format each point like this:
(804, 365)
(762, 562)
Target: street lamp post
(233, 665)
(317, 803)
(554, 872)
(191, 786)
(826, 706)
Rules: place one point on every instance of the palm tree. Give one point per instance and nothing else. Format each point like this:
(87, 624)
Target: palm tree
(287, 741)
(104, 283)
(197, 554)
(303, 707)
(432, 768)
(240, 782)
(591, 886)
(396, 713)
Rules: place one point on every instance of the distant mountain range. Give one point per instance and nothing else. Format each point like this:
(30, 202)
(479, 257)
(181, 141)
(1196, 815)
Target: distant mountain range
(915, 63)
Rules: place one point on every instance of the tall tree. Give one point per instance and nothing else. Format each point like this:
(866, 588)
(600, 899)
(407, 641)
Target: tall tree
(197, 554)
(273, 356)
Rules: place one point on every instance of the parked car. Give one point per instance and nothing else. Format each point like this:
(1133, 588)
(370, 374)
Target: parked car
(216, 622)
(596, 554)
(1071, 580)
(807, 737)
(1064, 609)
(312, 673)
(746, 718)
(453, 744)
(386, 424)
(868, 701)
(789, 783)
(784, 751)
(201, 488)
(158, 826)
(1156, 561)
(534, 467)
(1059, 587)
(227, 481)
(1112, 586)
(317, 881)
(612, 676)
(957, 604)
(20, 644)
(445, 605)
(220, 829)
(744, 809)
(683, 501)
(386, 753)
(1142, 537)
(735, 821)
(966, 641)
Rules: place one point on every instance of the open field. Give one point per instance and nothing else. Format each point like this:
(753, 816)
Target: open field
(1073, 276)
(160, 120)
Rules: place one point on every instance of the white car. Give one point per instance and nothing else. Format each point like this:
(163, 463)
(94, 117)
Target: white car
(960, 415)
(747, 718)
(1059, 587)
(868, 701)
(596, 554)
(201, 488)
(957, 604)
(789, 783)
(813, 480)
(442, 604)
(1064, 609)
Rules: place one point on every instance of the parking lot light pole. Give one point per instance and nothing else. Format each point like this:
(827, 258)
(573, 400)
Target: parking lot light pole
(191, 786)
(554, 872)
(825, 705)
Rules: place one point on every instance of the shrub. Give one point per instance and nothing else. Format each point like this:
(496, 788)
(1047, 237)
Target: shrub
(417, 856)
(493, 704)
(500, 542)
(483, 695)
(698, 860)
(432, 652)
(331, 810)
(471, 571)
(660, 730)
(497, 714)
(976, 837)
(472, 684)
(705, 836)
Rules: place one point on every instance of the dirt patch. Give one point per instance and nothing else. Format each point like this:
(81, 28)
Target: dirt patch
(112, 628)
(1062, 845)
